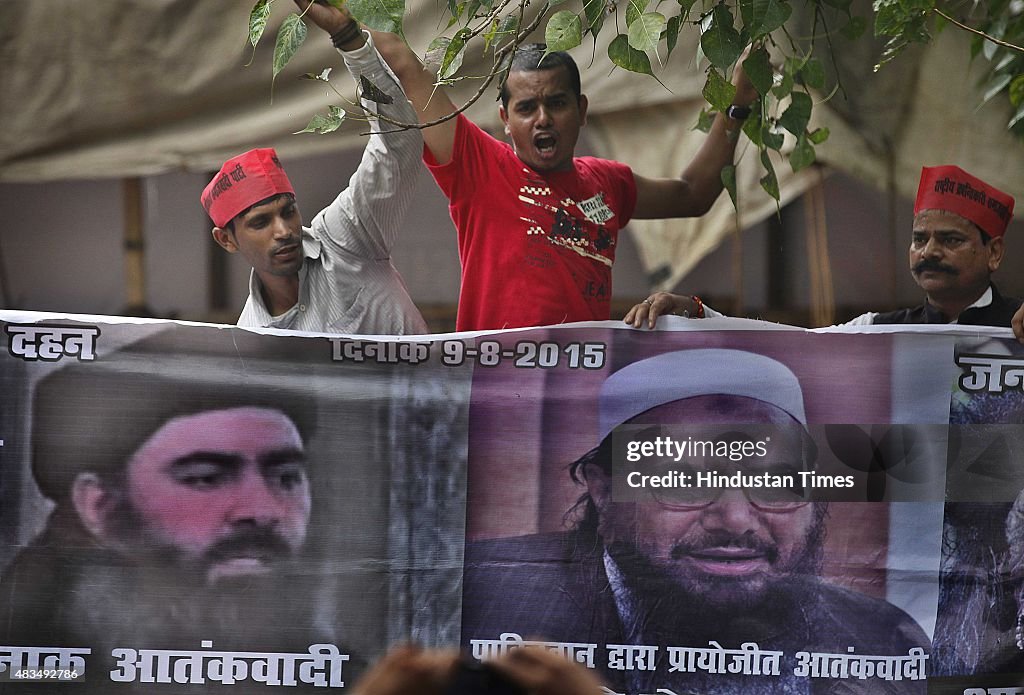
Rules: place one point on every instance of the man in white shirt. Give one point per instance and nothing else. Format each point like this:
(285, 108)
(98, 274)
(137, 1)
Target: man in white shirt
(956, 245)
(336, 275)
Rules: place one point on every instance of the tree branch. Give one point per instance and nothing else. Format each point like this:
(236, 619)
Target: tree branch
(499, 55)
(987, 37)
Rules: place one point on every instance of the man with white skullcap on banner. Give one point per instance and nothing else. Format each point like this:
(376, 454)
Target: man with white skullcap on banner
(685, 566)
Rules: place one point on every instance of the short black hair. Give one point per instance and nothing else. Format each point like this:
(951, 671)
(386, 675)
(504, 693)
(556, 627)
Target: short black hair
(230, 226)
(534, 56)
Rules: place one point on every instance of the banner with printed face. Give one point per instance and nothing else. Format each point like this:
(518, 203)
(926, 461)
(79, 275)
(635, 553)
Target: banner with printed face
(724, 507)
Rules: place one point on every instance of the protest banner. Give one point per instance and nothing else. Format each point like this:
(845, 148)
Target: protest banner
(725, 507)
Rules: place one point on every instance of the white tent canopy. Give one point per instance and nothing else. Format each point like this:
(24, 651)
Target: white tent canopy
(139, 87)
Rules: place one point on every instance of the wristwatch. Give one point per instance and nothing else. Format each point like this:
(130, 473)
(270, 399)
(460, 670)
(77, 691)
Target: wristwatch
(737, 113)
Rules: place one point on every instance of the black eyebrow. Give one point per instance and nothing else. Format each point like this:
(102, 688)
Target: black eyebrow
(947, 232)
(256, 219)
(215, 457)
(279, 457)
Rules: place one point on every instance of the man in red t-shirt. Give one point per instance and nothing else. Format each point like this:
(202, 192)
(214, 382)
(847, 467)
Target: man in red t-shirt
(537, 226)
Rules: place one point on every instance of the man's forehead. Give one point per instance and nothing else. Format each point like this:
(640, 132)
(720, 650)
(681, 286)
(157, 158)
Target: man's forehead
(933, 220)
(528, 84)
(715, 409)
(270, 205)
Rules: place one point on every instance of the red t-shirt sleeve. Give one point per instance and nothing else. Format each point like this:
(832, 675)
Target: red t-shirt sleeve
(473, 151)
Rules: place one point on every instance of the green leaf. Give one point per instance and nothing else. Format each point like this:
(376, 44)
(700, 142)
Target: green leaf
(1017, 118)
(798, 114)
(325, 124)
(380, 15)
(752, 125)
(813, 73)
(988, 49)
(818, 135)
(625, 56)
(785, 86)
(672, 28)
(635, 8)
(976, 42)
(499, 30)
(258, 20)
(718, 91)
(686, 6)
(842, 5)
(704, 121)
(996, 85)
(564, 31)
(474, 6)
(729, 181)
(594, 11)
(436, 52)
(289, 37)
(1017, 90)
(1006, 59)
(758, 67)
(720, 42)
(769, 182)
(752, 129)
(645, 31)
(454, 54)
(761, 17)
(371, 92)
(771, 139)
(456, 14)
(509, 24)
(889, 18)
(802, 155)
(855, 28)
(490, 34)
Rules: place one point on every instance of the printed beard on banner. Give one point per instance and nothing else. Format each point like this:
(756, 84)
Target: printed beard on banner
(710, 509)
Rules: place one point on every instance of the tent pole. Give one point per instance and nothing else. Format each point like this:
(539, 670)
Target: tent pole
(134, 248)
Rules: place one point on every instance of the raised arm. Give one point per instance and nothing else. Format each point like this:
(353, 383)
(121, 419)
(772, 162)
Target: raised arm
(430, 101)
(698, 186)
(366, 217)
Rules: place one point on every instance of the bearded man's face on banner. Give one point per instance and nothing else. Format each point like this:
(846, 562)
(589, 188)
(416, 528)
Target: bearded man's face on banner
(725, 548)
(212, 496)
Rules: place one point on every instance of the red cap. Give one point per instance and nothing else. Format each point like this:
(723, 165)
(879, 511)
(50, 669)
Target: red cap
(952, 189)
(243, 181)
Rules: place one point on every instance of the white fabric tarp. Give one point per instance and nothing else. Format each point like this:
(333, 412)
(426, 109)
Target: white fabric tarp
(140, 87)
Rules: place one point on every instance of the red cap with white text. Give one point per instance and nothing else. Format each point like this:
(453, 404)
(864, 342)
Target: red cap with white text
(952, 189)
(242, 182)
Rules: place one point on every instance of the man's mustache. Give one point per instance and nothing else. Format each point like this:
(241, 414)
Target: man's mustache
(287, 243)
(716, 540)
(257, 541)
(934, 266)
